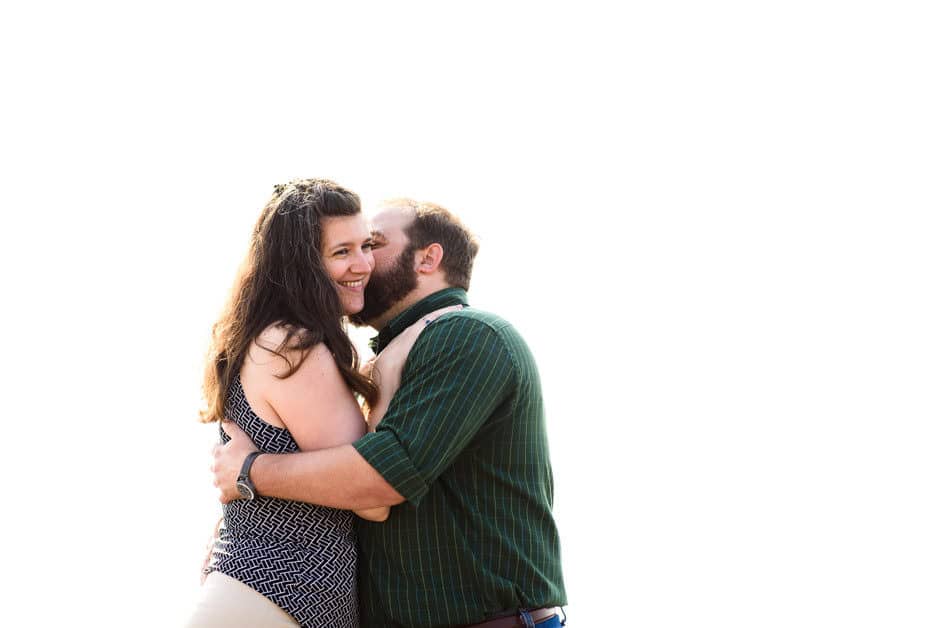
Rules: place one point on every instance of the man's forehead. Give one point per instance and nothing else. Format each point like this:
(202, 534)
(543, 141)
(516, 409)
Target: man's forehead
(389, 220)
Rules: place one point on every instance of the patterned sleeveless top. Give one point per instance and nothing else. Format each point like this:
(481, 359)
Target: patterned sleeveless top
(302, 557)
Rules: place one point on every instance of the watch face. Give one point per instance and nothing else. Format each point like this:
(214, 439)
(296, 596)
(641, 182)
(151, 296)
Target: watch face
(245, 490)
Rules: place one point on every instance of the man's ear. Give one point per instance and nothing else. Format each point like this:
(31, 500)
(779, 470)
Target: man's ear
(429, 258)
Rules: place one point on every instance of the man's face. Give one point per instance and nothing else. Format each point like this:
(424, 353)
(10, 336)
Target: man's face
(394, 275)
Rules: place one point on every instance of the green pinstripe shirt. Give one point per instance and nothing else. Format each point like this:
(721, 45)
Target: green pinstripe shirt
(464, 442)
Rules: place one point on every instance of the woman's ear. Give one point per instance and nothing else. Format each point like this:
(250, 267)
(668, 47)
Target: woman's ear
(429, 258)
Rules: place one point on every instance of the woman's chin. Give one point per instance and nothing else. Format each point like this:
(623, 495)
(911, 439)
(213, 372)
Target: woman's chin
(353, 308)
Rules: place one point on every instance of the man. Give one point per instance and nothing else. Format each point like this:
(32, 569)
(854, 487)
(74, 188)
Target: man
(463, 442)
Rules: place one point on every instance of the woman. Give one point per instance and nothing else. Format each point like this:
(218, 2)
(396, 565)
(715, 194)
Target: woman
(282, 367)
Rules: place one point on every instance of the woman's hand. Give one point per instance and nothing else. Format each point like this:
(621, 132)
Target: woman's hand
(386, 367)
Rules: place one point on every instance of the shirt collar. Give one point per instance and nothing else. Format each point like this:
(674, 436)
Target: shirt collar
(441, 298)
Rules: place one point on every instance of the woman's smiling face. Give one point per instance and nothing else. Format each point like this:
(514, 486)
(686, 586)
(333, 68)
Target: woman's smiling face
(347, 258)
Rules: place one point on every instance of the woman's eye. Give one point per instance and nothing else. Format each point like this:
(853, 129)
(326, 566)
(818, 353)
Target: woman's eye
(367, 246)
(341, 252)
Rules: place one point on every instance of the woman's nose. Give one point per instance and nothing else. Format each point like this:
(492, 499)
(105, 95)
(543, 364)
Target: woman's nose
(363, 262)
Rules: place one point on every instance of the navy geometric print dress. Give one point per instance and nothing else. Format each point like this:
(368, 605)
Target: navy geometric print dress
(301, 556)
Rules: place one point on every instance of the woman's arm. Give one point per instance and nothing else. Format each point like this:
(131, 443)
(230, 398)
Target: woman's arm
(386, 368)
(315, 404)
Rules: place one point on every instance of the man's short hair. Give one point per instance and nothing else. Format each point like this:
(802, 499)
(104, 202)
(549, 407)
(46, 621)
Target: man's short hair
(433, 223)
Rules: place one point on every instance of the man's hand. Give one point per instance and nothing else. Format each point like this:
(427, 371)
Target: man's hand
(227, 461)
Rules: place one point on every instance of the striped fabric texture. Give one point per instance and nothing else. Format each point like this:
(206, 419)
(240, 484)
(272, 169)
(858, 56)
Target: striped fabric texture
(464, 441)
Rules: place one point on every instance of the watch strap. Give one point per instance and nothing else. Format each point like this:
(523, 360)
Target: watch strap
(246, 469)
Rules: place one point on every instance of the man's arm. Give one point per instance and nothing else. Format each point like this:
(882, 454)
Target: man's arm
(456, 378)
(337, 477)
(458, 373)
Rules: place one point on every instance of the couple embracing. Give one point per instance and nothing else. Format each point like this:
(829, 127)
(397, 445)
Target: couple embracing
(413, 490)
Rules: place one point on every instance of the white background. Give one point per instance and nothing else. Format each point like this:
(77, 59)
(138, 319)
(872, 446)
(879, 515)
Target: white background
(713, 222)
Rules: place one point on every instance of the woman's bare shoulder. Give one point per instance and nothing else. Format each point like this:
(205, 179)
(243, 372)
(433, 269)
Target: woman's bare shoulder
(314, 402)
(275, 335)
(271, 342)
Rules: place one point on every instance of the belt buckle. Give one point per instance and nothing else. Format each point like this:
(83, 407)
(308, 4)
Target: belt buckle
(526, 618)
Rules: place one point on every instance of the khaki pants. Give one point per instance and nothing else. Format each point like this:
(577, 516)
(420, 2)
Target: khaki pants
(227, 603)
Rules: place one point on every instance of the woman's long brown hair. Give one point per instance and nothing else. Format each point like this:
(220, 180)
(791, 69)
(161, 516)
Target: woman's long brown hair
(283, 281)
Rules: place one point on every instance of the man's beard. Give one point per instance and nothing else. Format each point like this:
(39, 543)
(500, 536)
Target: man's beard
(385, 290)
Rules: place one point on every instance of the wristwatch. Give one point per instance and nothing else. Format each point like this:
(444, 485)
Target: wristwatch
(245, 488)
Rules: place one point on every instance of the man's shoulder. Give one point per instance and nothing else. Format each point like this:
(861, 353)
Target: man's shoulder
(479, 328)
(474, 319)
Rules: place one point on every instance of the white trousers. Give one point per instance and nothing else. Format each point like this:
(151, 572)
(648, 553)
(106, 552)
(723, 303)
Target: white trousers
(228, 603)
